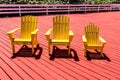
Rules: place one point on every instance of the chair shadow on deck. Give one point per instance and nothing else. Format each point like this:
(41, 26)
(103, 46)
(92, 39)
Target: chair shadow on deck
(63, 53)
(25, 51)
(96, 55)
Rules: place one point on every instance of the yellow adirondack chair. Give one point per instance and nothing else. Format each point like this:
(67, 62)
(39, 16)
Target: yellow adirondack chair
(28, 33)
(60, 34)
(92, 40)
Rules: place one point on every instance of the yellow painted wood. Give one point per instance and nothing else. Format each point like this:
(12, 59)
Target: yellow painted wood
(91, 38)
(28, 34)
(59, 34)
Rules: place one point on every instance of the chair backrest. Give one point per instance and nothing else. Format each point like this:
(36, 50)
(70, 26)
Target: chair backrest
(92, 34)
(28, 24)
(61, 27)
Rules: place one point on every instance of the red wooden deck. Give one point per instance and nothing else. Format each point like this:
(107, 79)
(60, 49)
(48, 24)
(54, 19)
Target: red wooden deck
(76, 68)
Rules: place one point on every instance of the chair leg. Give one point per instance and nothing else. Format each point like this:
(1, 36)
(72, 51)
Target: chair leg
(13, 48)
(85, 52)
(49, 48)
(68, 50)
(101, 52)
(32, 48)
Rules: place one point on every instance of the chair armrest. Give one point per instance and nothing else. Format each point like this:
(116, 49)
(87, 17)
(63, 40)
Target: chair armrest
(102, 40)
(10, 33)
(34, 35)
(84, 39)
(71, 34)
(47, 34)
(34, 32)
(13, 31)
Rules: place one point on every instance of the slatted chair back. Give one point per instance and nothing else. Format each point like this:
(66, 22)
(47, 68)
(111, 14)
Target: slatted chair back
(92, 34)
(28, 24)
(61, 27)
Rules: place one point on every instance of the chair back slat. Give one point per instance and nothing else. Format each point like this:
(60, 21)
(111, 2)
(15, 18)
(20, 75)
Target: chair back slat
(61, 27)
(28, 24)
(92, 34)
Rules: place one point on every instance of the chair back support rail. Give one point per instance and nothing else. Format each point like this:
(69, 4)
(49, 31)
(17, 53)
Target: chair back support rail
(51, 8)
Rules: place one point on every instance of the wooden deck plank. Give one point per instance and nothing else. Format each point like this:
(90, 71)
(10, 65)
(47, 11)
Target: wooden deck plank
(28, 71)
(86, 70)
(32, 66)
(92, 68)
(99, 70)
(66, 63)
(11, 72)
(45, 65)
(22, 65)
(3, 74)
(21, 69)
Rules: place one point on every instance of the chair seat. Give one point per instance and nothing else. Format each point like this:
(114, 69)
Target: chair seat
(94, 45)
(22, 40)
(60, 41)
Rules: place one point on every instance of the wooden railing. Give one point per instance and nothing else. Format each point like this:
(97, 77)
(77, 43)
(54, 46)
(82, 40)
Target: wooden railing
(47, 8)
